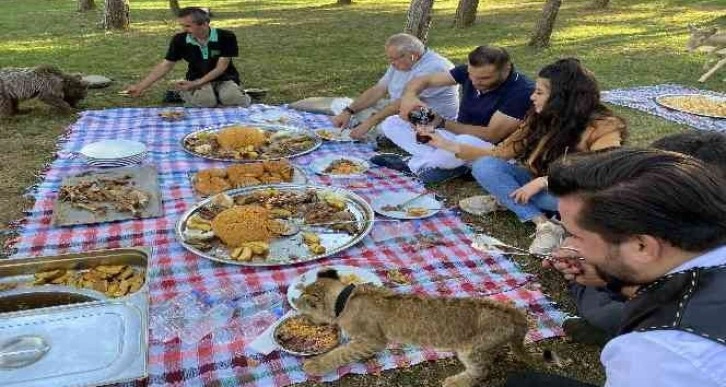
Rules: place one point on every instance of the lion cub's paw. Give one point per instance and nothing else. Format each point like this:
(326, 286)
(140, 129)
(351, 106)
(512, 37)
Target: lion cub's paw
(315, 367)
(460, 380)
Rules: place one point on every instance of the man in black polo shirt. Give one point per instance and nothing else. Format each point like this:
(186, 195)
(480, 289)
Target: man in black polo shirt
(211, 77)
(494, 99)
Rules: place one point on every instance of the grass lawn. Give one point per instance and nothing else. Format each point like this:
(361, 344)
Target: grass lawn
(301, 48)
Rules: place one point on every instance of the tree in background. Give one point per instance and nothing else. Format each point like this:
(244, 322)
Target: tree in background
(418, 19)
(86, 5)
(116, 15)
(466, 13)
(545, 24)
(174, 6)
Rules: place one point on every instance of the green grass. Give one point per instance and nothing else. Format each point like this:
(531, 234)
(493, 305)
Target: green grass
(300, 48)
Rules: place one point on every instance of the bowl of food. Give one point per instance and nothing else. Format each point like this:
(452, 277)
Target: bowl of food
(300, 336)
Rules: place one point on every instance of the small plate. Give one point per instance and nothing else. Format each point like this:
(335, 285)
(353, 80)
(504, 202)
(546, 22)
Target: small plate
(318, 166)
(394, 198)
(108, 150)
(299, 353)
(294, 290)
(334, 134)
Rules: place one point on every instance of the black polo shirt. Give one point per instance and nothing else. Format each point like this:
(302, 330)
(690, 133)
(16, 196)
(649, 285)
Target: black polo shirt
(221, 44)
(510, 98)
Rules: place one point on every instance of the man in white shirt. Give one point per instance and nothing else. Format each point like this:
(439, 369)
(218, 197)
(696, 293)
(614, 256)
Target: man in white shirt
(408, 58)
(655, 221)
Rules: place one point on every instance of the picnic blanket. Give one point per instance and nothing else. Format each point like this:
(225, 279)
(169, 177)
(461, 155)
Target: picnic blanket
(449, 267)
(643, 99)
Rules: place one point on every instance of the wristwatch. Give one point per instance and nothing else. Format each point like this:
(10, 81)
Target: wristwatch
(349, 110)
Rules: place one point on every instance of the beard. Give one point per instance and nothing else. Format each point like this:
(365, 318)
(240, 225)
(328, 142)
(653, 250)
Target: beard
(616, 270)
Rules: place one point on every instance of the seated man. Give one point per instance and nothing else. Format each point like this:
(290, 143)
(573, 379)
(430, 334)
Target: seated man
(495, 99)
(408, 58)
(211, 78)
(655, 220)
(601, 308)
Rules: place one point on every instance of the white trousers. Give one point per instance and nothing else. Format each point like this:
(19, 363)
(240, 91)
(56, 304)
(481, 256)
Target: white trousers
(426, 156)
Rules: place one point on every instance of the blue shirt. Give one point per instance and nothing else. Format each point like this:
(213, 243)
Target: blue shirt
(667, 358)
(510, 98)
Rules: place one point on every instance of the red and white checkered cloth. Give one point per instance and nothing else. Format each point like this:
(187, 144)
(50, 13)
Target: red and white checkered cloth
(448, 268)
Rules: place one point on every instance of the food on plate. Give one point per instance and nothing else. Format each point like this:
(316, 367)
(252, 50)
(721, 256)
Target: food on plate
(249, 143)
(698, 104)
(299, 334)
(172, 115)
(102, 194)
(112, 280)
(343, 167)
(215, 180)
(328, 134)
(313, 242)
(240, 224)
(417, 211)
(396, 276)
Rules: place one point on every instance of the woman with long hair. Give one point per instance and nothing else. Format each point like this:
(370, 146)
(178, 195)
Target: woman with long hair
(567, 116)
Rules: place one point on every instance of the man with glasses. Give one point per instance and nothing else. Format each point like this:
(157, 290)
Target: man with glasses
(408, 58)
(495, 98)
(211, 77)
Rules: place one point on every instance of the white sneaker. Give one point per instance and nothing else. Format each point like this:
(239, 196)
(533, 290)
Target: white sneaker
(547, 238)
(480, 205)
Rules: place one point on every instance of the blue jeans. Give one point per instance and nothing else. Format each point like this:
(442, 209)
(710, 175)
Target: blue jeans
(500, 178)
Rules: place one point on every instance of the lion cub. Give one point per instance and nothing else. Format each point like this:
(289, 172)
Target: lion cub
(373, 317)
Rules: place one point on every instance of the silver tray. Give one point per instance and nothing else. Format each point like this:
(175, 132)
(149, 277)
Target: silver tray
(267, 127)
(288, 250)
(659, 101)
(144, 178)
(298, 177)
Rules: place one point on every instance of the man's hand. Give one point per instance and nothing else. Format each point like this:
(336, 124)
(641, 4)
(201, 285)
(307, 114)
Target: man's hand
(342, 119)
(134, 90)
(186, 85)
(574, 270)
(407, 105)
(360, 131)
(522, 194)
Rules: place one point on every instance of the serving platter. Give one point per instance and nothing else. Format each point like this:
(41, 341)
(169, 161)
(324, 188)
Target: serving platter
(281, 142)
(282, 250)
(298, 177)
(701, 104)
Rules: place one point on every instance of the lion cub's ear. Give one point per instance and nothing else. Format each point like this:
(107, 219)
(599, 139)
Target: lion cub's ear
(329, 273)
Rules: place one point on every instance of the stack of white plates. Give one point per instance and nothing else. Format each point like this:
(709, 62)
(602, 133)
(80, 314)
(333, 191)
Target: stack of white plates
(114, 153)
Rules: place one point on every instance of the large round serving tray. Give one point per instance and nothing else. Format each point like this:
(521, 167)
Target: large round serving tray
(288, 250)
(317, 141)
(662, 100)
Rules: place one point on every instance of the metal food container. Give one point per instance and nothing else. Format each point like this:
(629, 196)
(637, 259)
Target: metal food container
(53, 335)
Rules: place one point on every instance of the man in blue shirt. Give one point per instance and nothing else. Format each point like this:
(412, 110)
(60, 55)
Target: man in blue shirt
(668, 240)
(494, 99)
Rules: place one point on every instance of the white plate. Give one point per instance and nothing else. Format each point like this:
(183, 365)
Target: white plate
(395, 198)
(113, 149)
(334, 134)
(319, 165)
(294, 290)
(277, 117)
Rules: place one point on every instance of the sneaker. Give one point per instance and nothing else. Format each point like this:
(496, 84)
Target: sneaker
(480, 205)
(439, 175)
(547, 238)
(583, 332)
(392, 161)
(172, 96)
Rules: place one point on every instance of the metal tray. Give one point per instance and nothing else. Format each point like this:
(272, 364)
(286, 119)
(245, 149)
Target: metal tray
(298, 177)
(659, 101)
(288, 250)
(73, 336)
(145, 178)
(268, 127)
(297, 353)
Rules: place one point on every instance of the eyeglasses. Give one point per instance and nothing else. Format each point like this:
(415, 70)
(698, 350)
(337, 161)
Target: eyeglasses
(391, 60)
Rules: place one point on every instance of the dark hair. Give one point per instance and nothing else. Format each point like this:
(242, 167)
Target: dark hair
(489, 55)
(709, 147)
(574, 102)
(628, 191)
(199, 15)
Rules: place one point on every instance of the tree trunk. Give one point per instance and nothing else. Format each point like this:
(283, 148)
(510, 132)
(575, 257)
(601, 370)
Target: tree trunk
(86, 5)
(418, 20)
(174, 6)
(600, 3)
(116, 15)
(345, 2)
(545, 24)
(466, 13)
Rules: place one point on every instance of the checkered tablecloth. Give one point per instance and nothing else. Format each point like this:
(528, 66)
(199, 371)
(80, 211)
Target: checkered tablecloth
(449, 267)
